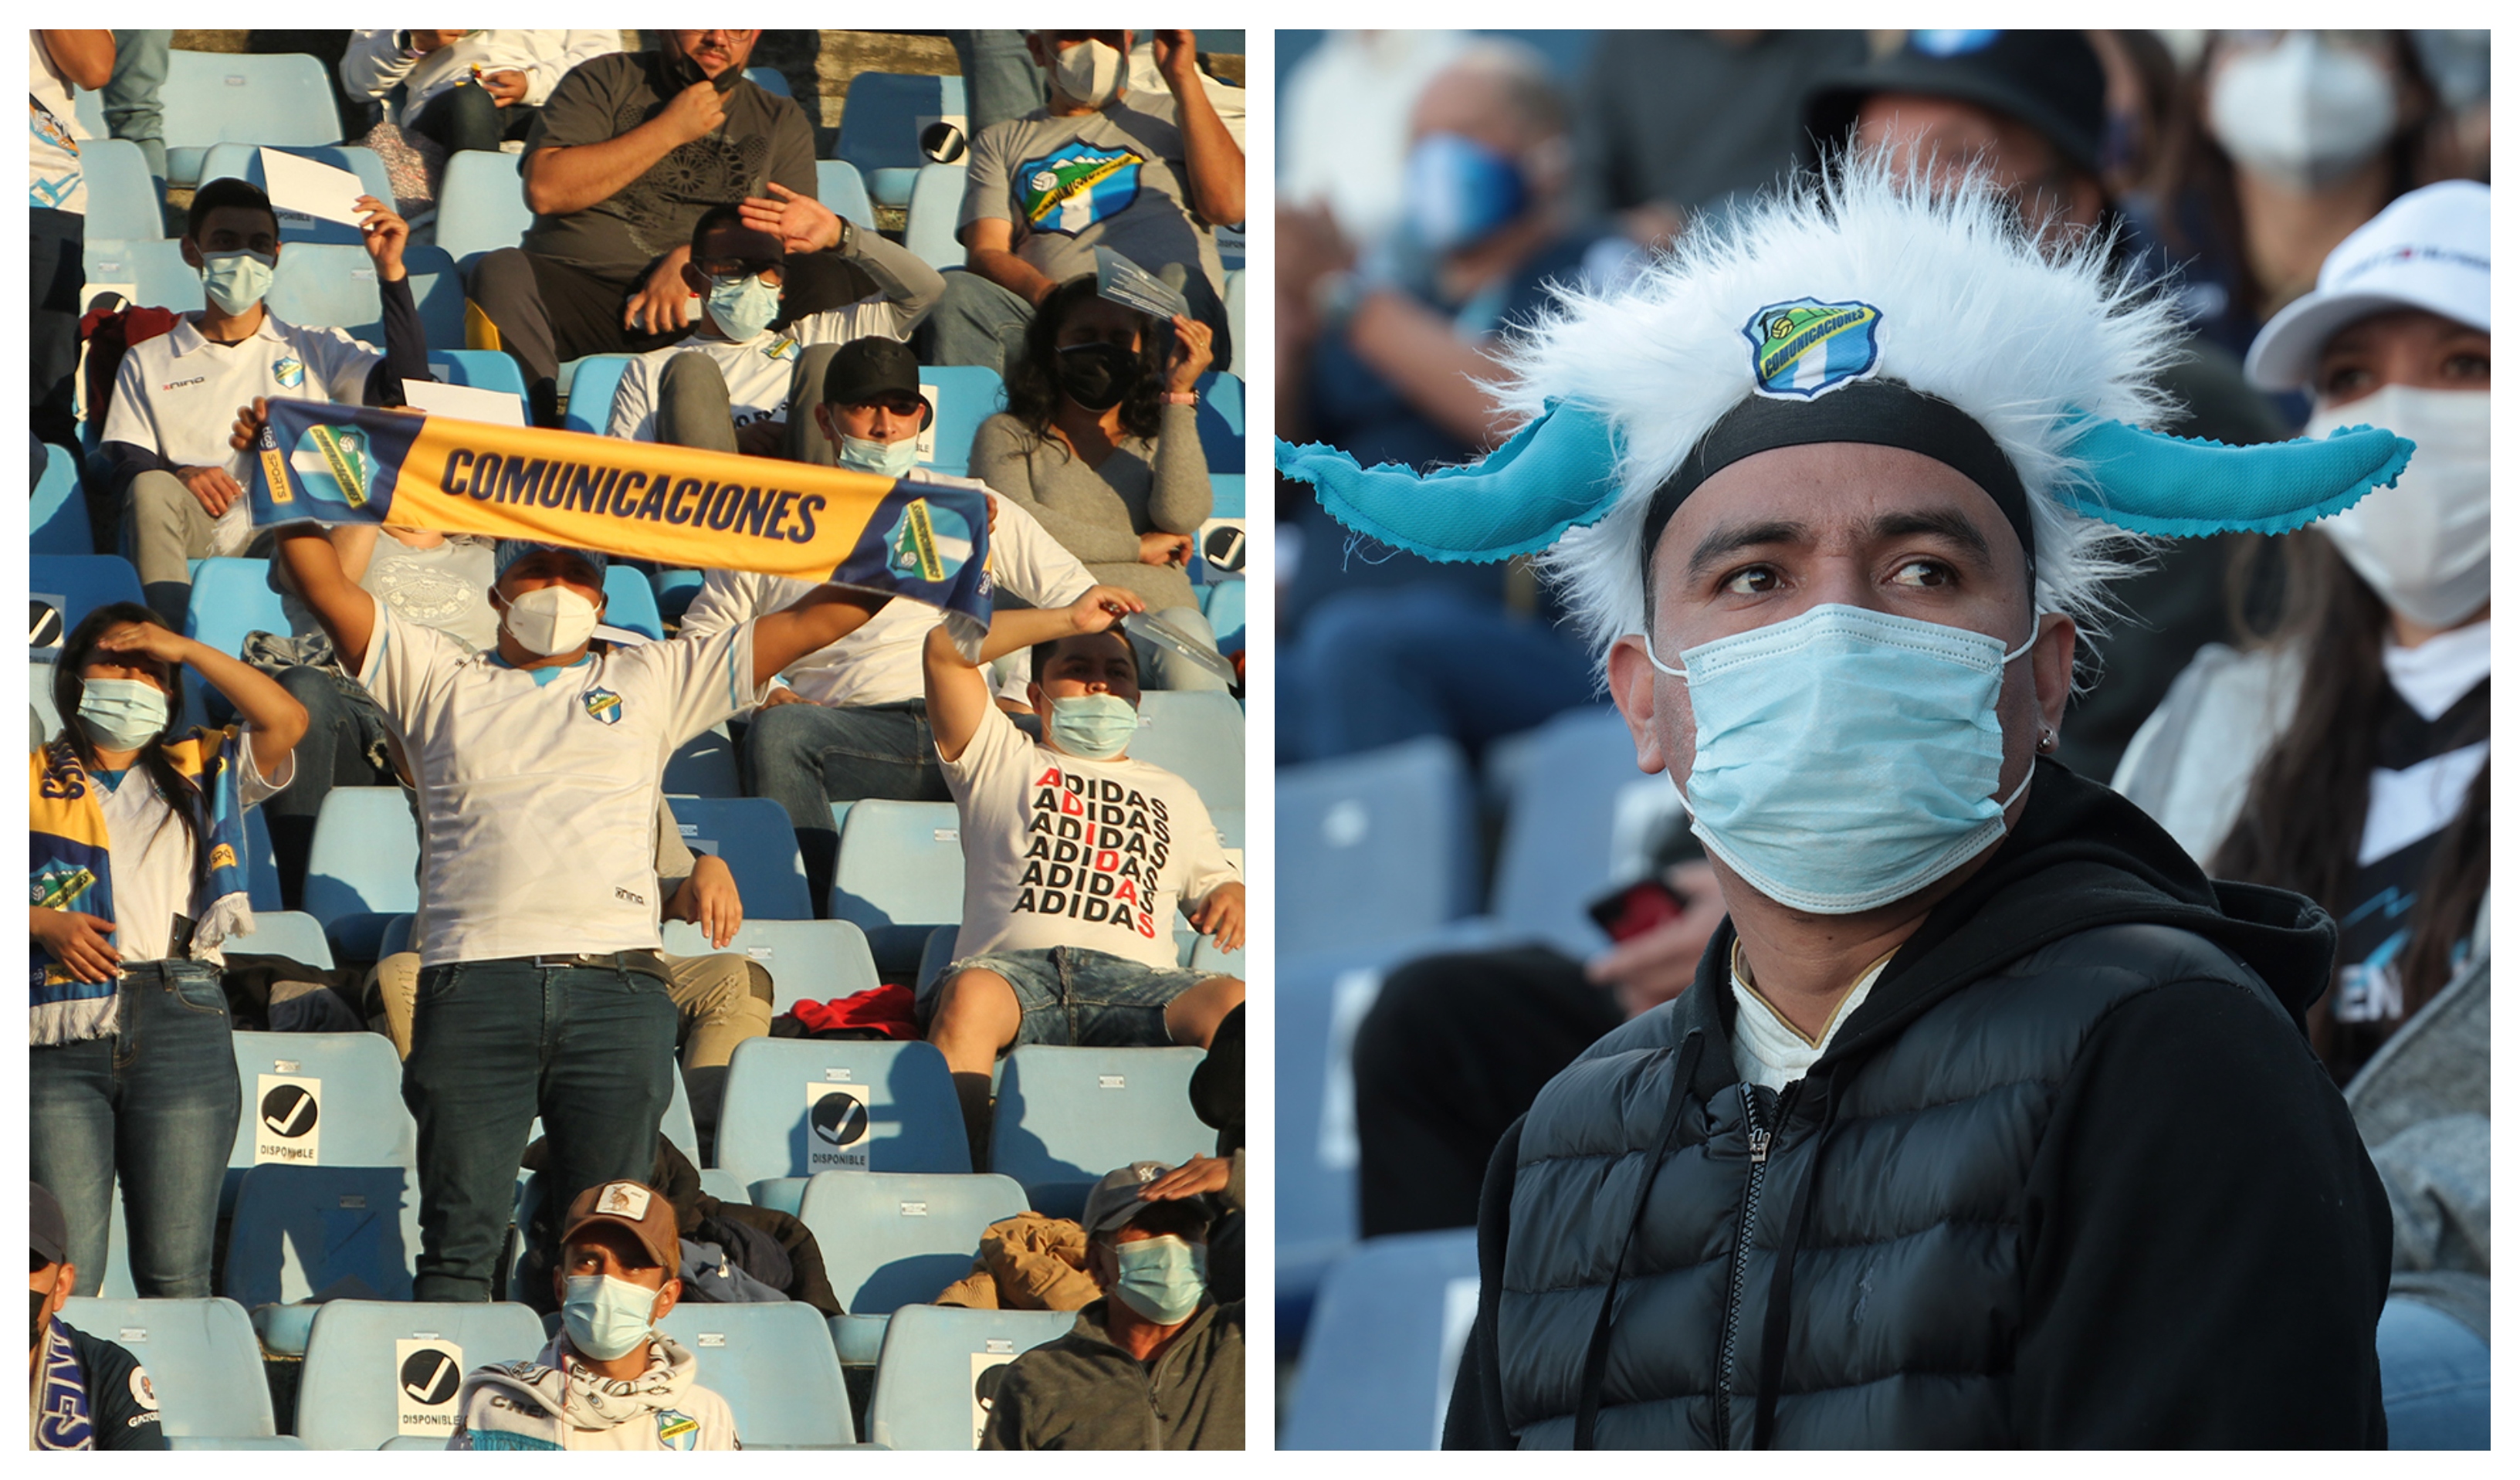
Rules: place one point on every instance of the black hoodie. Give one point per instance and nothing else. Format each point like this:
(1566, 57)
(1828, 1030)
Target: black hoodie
(2203, 1245)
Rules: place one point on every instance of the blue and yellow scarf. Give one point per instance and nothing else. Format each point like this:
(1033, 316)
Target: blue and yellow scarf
(72, 870)
(61, 1418)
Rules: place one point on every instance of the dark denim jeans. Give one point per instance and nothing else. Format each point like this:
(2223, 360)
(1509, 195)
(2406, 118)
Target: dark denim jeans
(156, 1100)
(493, 1043)
(805, 757)
(344, 746)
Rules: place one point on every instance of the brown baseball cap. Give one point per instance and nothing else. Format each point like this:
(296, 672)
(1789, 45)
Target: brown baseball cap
(636, 1206)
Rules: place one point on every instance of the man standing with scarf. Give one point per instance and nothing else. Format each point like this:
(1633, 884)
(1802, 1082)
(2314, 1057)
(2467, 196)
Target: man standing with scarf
(83, 1391)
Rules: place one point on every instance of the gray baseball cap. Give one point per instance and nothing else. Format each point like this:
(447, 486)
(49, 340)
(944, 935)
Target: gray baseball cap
(1115, 1200)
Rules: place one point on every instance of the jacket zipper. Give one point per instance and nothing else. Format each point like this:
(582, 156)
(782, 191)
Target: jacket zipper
(1762, 1140)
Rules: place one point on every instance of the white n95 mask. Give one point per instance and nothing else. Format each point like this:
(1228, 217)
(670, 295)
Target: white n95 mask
(1090, 72)
(2423, 545)
(2303, 111)
(551, 620)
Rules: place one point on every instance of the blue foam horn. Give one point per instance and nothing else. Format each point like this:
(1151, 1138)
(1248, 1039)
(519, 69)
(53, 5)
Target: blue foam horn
(1556, 472)
(2183, 487)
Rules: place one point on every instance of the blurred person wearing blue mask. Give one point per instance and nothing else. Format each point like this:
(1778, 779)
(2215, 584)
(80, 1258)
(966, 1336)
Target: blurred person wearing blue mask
(1155, 1364)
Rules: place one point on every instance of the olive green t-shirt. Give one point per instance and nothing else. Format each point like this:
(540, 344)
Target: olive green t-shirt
(1113, 178)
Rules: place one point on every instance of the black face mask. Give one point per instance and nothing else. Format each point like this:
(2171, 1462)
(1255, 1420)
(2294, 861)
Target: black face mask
(681, 71)
(1098, 376)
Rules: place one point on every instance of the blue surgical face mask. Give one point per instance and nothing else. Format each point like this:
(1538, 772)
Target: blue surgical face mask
(1095, 725)
(1846, 759)
(1458, 192)
(122, 713)
(606, 1317)
(236, 281)
(889, 460)
(742, 308)
(1163, 1278)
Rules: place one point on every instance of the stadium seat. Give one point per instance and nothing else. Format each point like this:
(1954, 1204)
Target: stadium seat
(225, 96)
(261, 865)
(1220, 421)
(335, 1100)
(361, 868)
(1196, 735)
(122, 202)
(1377, 1368)
(299, 1232)
(966, 395)
(1317, 1007)
(703, 766)
(899, 874)
(150, 272)
(1066, 1116)
(1578, 822)
(84, 582)
(1208, 960)
(286, 933)
(1231, 249)
(895, 1239)
(1225, 614)
(481, 205)
(367, 1360)
(1234, 321)
(200, 1358)
(768, 1128)
(396, 936)
(326, 286)
(938, 953)
(880, 121)
(935, 207)
(938, 1362)
(774, 1364)
(244, 162)
(808, 960)
(57, 514)
(232, 597)
(675, 590)
(590, 392)
(769, 79)
(630, 602)
(1374, 847)
(724, 1185)
(46, 716)
(481, 369)
(753, 835)
(1231, 504)
(839, 185)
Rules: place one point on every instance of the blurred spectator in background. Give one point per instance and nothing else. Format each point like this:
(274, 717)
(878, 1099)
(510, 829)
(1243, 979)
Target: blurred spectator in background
(1385, 354)
(2142, 81)
(1672, 120)
(2460, 65)
(465, 89)
(131, 107)
(2343, 755)
(1343, 124)
(1099, 443)
(62, 61)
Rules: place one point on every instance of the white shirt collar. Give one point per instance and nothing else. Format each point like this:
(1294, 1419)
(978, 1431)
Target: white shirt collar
(187, 338)
(2439, 674)
(1771, 1053)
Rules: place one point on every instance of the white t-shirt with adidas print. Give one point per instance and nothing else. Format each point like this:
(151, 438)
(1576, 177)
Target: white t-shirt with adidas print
(757, 370)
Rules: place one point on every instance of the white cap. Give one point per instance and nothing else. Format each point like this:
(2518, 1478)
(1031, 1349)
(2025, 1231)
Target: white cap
(2428, 249)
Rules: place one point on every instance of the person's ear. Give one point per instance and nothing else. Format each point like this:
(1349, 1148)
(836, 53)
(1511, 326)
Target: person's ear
(668, 1295)
(192, 253)
(1633, 691)
(695, 279)
(822, 423)
(1039, 698)
(2051, 669)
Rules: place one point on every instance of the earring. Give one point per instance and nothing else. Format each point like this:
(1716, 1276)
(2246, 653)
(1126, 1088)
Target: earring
(2046, 739)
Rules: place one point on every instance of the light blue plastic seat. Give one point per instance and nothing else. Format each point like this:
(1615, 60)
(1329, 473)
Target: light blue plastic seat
(84, 582)
(839, 185)
(938, 953)
(261, 865)
(774, 1364)
(227, 97)
(1555, 858)
(302, 1232)
(201, 1359)
(1375, 847)
(1234, 321)
(230, 598)
(936, 211)
(754, 837)
(1227, 615)
(926, 1388)
(1227, 487)
(122, 202)
(1230, 246)
(769, 79)
(57, 513)
(323, 285)
(767, 1128)
(704, 766)
(1318, 1003)
(481, 205)
(150, 272)
(45, 716)
(481, 369)
(891, 1240)
(590, 390)
(346, 1390)
(899, 874)
(1195, 734)
(293, 933)
(881, 123)
(244, 162)
(1383, 1345)
(675, 590)
(1066, 1116)
(360, 869)
(630, 602)
(966, 395)
(724, 1185)
(808, 960)
(396, 936)
(1220, 421)
(354, 1117)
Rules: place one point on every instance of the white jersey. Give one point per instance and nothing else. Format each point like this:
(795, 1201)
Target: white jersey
(538, 787)
(758, 370)
(879, 663)
(1059, 851)
(56, 181)
(153, 859)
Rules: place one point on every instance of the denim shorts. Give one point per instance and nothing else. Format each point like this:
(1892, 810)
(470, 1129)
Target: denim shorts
(1082, 998)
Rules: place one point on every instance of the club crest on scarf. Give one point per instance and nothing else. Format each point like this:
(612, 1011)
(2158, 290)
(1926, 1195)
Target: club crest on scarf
(1805, 349)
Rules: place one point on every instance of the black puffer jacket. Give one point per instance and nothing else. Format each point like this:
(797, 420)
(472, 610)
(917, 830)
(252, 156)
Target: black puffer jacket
(2069, 1176)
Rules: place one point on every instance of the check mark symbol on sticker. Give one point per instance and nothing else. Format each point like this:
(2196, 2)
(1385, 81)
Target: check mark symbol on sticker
(297, 1117)
(433, 1391)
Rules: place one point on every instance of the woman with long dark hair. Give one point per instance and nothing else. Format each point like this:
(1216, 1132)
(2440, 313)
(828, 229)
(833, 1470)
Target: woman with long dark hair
(138, 856)
(1100, 443)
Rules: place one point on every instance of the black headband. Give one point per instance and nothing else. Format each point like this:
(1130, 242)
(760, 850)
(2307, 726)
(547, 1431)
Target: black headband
(1880, 413)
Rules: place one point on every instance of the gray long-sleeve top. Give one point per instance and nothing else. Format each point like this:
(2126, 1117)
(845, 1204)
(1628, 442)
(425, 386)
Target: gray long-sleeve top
(1098, 513)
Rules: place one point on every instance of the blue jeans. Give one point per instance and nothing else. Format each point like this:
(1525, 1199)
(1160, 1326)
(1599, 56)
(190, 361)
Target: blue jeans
(1079, 997)
(156, 1101)
(493, 1043)
(1378, 666)
(2435, 1378)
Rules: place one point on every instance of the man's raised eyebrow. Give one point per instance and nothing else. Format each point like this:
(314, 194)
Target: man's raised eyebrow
(1950, 524)
(1725, 539)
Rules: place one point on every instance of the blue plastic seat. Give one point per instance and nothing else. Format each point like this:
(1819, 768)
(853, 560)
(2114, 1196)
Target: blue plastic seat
(896, 1239)
(1195, 734)
(1316, 1008)
(630, 602)
(321, 285)
(150, 272)
(767, 1127)
(261, 865)
(84, 582)
(301, 1231)
(808, 960)
(927, 1391)
(1379, 1362)
(1232, 247)
(899, 874)
(293, 933)
(1375, 847)
(1234, 321)
(481, 205)
(935, 214)
(754, 837)
(244, 162)
(1579, 777)
(345, 1109)
(839, 185)
(56, 513)
(590, 392)
(774, 1364)
(1225, 614)
(481, 369)
(769, 79)
(704, 766)
(201, 1359)
(1231, 503)
(1220, 421)
(675, 590)
(226, 97)
(360, 870)
(966, 395)
(122, 200)
(46, 716)
(230, 598)
(346, 1393)
(881, 120)
(1066, 1116)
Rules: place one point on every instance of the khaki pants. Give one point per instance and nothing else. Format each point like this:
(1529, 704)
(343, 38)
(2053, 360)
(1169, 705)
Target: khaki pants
(722, 999)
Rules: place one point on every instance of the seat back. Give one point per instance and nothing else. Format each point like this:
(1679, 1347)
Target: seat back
(965, 397)
(200, 1358)
(261, 865)
(481, 204)
(895, 1239)
(293, 933)
(1234, 321)
(899, 874)
(230, 598)
(940, 1367)
(228, 97)
(482, 369)
(704, 766)
(1227, 615)
(769, 79)
(754, 837)
(795, 1106)
(47, 715)
(808, 960)
(936, 209)
(1196, 735)
(838, 186)
(1066, 1116)
(321, 1100)
(381, 1370)
(84, 582)
(1220, 420)
(1317, 1007)
(881, 120)
(150, 271)
(362, 867)
(590, 392)
(1581, 820)
(122, 202)
(57, 513)
(1379, 1362)
(630, 602)
(1374, 847)
(324, 285)
(774, 1364)
(244, 162)
(299, 1230)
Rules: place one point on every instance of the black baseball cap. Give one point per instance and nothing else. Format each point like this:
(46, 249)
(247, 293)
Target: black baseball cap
(870, 369)
(2049, 80)
(52, 1241)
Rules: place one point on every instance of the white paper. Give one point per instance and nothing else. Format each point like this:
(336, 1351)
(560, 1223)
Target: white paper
(837, 1123)
(303, 187)
(927, 434)
(288, 1120)
(428, 1376)
(465, 403)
